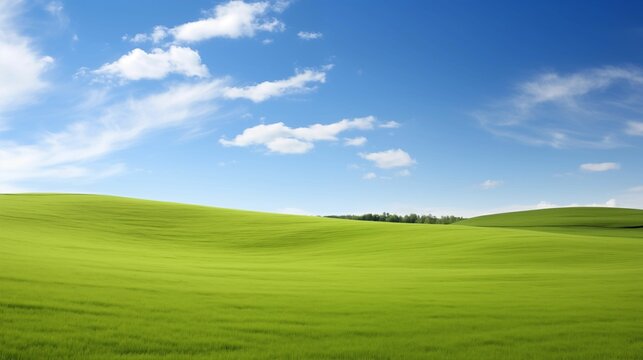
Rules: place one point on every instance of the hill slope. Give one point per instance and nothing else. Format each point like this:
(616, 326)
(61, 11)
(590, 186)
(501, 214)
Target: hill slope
(571, 216)
(95, 277)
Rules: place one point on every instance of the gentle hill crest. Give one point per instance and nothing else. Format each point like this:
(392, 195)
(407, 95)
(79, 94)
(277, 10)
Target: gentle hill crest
(601, 217)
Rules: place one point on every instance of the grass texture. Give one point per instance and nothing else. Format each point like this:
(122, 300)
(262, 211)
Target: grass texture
(97, 277)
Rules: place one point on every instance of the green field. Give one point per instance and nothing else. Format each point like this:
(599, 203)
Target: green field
(96, 277)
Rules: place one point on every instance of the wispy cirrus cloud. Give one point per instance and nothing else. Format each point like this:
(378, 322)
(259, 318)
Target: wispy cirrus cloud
(69, 153)
(636, 189)
(600, 167)
(390, 125)
(57, 10)
(588, 108)
(634, 128)
(356, 141)
(300, 82)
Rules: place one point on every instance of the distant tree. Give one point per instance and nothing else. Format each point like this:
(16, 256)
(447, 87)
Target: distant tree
(409, 218)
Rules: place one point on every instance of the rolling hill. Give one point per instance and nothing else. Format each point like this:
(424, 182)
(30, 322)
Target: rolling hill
(99, 277)
(563, 217)
(593, 221)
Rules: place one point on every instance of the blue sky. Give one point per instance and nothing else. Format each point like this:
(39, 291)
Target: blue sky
(326, 107)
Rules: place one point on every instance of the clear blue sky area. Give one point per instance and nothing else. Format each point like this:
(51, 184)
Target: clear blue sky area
(326, 107)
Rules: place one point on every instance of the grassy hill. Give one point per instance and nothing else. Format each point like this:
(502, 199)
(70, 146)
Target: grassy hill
(96, 277)
(594, 221)
(559, 217)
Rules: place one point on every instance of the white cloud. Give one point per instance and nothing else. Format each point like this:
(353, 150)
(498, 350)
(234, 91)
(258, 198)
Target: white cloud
(390, 125)
(66, 154)
(599, 167)
(356, 141)
(280, 6)
(403, 173)
(55, 8)
(22, 68)
(279, 138)
(610, 203)
(390, 158)
(305, 35)
(369, 176)
(574, 110)
(262, 91)
(158, 34)
(157, 64)
(634, 128)
(112, 126)
(491, 184)
(289, 146)
(267, 41)
(636, 189)
(234, 19)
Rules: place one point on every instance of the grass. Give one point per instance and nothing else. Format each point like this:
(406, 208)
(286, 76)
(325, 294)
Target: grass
(563, 217)
(595, 221)
(95, 277)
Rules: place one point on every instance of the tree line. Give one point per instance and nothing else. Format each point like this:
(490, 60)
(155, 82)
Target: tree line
(410, 218)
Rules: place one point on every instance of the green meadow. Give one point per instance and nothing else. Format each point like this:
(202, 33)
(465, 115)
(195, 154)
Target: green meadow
(97, 277)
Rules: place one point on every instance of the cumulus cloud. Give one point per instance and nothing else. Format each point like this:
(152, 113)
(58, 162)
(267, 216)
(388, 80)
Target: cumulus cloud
(22, 67)
(356, 141)
(491, 184)
(369, 176)
(389, 159)
(158, 34)
(305, 35)
(262, 91)
(279, 138)
(581, 109)
(157, 64)
(600, 167)
(390, 125)
(234, 19)
(634, 128)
